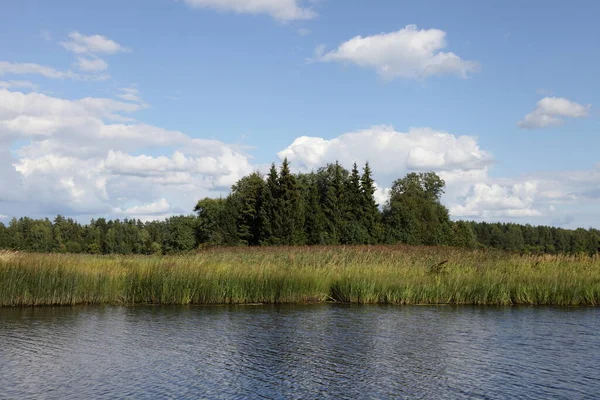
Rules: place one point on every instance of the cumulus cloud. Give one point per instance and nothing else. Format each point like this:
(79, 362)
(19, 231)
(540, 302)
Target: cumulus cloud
(92, 44)
(552, 111)
(390, 151)
(470, 193)
(161, 206)
(281, 10)
(406, 53)
(494, 200)
(78, 160)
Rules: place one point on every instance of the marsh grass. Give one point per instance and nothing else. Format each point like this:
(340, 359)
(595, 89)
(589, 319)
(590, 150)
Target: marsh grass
(368, 275)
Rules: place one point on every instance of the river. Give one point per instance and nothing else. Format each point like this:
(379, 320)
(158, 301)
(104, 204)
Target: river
(304, 352)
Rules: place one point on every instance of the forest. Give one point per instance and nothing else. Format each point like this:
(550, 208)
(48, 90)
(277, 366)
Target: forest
(332, 206)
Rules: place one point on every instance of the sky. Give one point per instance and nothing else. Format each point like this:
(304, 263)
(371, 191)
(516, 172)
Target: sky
(139, 108)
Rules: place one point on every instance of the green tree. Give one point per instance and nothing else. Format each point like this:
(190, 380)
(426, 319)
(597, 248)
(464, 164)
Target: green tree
(290, 208)
(331, 185)
(371, 214)
(269, 216)
(353, 228)
(314, 221)
(180, 234)
(463, 235)
(248, 192)
(210, 215)
(414, 214)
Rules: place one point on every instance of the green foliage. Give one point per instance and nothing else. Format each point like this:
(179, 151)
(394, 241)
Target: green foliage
(328, 207)
(248, 195)
(371, 217)
(290, 208)
(180, 233)
(463, 235)
(414, 213)
(269, 214)
(210, 213)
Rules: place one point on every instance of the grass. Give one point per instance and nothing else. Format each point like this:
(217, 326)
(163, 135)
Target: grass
(367, 275)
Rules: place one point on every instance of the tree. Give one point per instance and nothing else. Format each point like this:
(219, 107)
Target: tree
(331, 180)
(40, 236)
(314, 221)
(180, 234)
(248, 192)
(4, 238)
(353, 228)
(414, 214)
(210, 215)
(371, 214)
(269, 217)
(463, 235)
(290, 208)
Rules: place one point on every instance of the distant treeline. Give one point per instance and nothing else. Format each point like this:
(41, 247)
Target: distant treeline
(328, 207)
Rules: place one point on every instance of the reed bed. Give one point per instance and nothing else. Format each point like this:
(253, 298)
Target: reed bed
(366, 275)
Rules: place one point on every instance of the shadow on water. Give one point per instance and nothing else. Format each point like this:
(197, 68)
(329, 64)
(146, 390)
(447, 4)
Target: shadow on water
(302, 351)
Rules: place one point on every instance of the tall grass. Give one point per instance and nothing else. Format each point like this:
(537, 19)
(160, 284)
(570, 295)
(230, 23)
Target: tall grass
(379, 274)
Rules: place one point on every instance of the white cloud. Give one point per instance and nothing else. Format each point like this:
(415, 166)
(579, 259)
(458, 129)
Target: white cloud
(551, 111)
(494, 200)
(407, 53)
(381, 194)
(32, 69)
(161, 206)
(470, 191)
(281, 10)
(93, 44)
(8, 68)
(17, 84)
(129, 94)
(77, 163)
(91, 64)
(390, 151)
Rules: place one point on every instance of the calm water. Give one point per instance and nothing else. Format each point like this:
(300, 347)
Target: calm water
(308, 352)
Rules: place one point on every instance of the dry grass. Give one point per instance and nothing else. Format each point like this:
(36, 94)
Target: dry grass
(362, 274)
(6, 255)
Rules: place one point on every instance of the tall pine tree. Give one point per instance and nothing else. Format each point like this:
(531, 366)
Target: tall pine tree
(371, 214)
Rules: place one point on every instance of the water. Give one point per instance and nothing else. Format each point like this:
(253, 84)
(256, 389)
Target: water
(308, 352)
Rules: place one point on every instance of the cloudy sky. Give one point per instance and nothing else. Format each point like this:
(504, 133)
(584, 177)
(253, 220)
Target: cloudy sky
(139, 108)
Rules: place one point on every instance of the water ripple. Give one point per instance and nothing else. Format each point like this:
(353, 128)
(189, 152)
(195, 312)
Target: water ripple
(299, 352)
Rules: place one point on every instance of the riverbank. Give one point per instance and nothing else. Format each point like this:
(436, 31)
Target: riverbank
(366, 275)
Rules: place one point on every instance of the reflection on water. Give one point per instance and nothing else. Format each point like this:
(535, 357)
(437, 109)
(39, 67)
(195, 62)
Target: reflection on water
(285, 352)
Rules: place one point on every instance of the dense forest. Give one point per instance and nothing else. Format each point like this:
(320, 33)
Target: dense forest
(328, 207)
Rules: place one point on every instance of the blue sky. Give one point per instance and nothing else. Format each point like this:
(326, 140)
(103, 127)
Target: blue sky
(183, 97)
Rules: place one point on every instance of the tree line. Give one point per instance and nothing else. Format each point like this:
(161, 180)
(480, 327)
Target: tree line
(332, 206)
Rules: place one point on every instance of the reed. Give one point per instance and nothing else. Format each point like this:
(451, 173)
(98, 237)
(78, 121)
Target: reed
(363, 274)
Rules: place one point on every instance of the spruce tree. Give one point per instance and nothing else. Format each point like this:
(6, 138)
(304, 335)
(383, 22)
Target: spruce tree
(371, 214)
(291, 230)
(334, 203)
(269, 217)
(314, 221)
(354, 230)
(248, 192)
